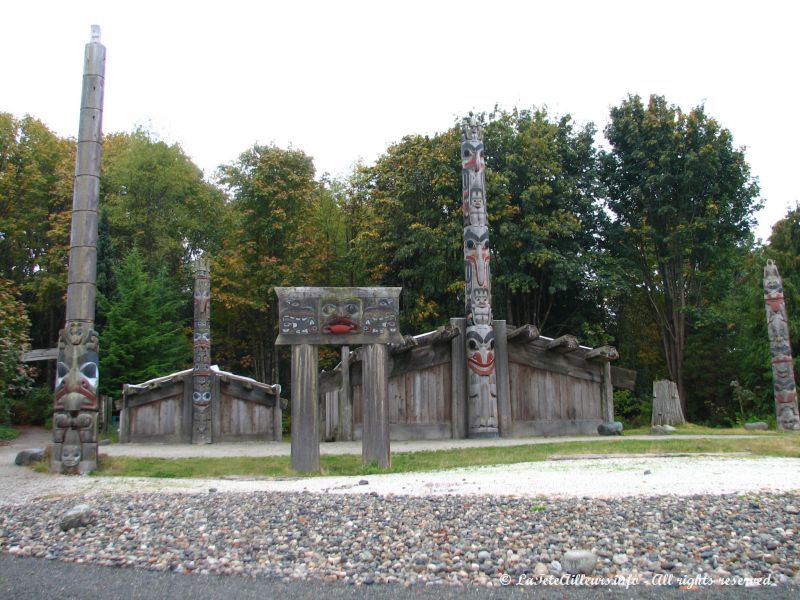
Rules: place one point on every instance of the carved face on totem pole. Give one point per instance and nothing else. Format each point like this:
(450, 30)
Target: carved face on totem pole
(472, 156)
(480, 350)
(71, 452)
(476, 256)
(482, 381)
(76, 372)
(772, 280)
(341, 316)
(788, 418)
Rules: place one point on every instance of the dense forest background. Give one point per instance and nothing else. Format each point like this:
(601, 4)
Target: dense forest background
(645, 243)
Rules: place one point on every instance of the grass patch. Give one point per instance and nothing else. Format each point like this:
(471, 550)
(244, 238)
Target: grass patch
(8, 433)
(784, 445)
(692, 429)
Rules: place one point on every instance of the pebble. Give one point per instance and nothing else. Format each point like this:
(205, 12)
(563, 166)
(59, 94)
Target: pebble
(415, 541)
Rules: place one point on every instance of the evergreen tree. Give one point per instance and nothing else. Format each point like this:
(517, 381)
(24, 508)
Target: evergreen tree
(106, 282)
(143, 336)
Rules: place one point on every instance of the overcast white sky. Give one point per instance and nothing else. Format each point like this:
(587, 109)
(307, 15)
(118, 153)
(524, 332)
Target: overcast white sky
(343, 79)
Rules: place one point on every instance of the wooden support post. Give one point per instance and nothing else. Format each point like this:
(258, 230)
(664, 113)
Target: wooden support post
(607, 394)
(277, 420)
(375, 441)
(305, 402)
(345, 432)
(124, 434)
(458, 383)
(503, 381)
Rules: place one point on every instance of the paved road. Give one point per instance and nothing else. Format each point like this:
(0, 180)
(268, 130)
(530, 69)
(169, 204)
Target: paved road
(37, 578)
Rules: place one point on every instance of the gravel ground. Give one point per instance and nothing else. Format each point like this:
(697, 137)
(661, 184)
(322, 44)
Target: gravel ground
(725, 521)
(366, 539)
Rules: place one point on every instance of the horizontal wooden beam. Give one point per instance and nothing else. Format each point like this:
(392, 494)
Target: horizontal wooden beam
(523, 335)
(563, 344)
(602, 354)
(41, 354)
(438, 336)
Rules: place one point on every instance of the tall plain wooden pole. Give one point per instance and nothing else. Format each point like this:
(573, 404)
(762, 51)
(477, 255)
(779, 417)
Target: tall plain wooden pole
(345, 400)
(305, 411)
(375, 440)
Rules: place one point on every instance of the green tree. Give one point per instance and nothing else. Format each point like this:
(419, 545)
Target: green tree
(275, 241)
(682, 201)
(157, 201)
(36, 168)
(144, 336)
(15, 375)
(543, 189)
(413, 238)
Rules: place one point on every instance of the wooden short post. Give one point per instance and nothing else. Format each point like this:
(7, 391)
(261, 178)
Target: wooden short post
(607, 394)
(305, 415)
(458, 380)
(345, 400)
(502, 375)
(375, 440)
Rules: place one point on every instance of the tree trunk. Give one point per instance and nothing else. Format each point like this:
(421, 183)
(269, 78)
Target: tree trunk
(666, 404)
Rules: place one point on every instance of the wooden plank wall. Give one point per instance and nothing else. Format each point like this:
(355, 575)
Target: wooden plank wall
(157, 419)
(415, 397)
(242, 419)
(540, 395)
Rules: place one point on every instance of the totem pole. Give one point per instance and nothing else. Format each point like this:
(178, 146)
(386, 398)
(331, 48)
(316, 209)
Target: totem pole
(76, 407)
(482, 387)
(781, 350)
(201, 375)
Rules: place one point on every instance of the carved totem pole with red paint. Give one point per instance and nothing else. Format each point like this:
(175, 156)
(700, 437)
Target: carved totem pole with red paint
(781, 350)
(76, 407)
(479, 334)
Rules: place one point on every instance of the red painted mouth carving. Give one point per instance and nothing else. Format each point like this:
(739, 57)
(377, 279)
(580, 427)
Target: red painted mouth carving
(476, 365)
(340, 326)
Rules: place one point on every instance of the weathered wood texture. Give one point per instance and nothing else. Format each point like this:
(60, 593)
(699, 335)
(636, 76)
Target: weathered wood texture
(305, 419)
(458, 380)
(504, 416)
(607, 393)
(344, 415)
(666, 404)
(375, 407)
(42, 354)
(540, 395)
(415, 397)
(338, 315)
(158, 413)
(563, 344)
(162, 410)
(549, 393)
